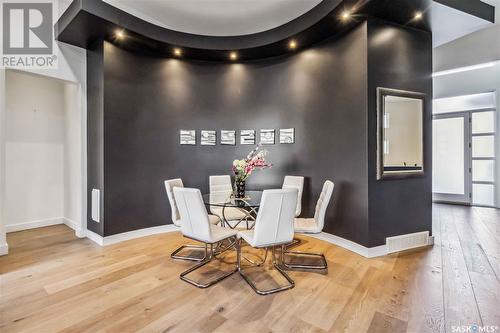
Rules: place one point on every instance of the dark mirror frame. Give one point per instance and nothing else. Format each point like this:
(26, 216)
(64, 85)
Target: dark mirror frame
(381, 94)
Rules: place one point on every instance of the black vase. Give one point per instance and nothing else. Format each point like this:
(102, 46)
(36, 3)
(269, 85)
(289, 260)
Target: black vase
(239, 189)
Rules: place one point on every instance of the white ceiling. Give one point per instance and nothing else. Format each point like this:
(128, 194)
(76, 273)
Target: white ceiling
(216, 17)
(449, 24)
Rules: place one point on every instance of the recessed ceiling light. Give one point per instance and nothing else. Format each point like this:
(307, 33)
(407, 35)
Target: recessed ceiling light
(233, 55)
(418, 16)
(177, 52)
(292, 44)
(120, 34)
(346, 15)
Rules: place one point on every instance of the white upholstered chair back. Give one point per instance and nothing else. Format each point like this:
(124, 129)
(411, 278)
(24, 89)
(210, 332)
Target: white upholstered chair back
(274, 224)
(322, 204)
(169, 187)
(220, 184)
(298, 183)
(194, 218)
(220, 188)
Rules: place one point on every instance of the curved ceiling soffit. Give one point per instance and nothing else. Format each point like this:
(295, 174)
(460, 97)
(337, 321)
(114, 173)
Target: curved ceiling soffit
(106, 19)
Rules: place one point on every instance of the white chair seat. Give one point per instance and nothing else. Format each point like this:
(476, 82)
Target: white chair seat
(248, 236)
(220, 233)
(306, 225)
(230, 213)
(213, 219)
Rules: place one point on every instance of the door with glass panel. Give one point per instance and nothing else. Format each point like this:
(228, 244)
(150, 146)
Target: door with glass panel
(464, 160)
(451, 158)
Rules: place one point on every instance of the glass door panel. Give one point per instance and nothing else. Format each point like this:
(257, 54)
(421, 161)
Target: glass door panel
(451, 156)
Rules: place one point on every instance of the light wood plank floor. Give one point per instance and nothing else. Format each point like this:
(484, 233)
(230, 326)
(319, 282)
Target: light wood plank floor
(54, 282)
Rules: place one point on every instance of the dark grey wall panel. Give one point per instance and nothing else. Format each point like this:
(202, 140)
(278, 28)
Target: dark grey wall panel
(399, 58)
(321, 92)
(95, 131)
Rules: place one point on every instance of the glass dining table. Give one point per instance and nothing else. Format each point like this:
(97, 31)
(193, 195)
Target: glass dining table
(226, 203)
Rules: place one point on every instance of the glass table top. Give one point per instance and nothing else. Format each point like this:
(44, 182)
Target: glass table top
(251, 199)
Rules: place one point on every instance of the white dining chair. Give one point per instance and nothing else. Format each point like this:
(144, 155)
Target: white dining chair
(313, 225)
(273, 228)
(298, 183)
(221, 186)
(169, 186)
(195, 224)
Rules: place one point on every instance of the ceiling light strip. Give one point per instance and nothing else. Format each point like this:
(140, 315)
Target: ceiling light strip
(464, 69)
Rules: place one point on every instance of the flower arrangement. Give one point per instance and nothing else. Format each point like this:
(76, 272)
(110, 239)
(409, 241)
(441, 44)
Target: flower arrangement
(256, 159)
(242, 169)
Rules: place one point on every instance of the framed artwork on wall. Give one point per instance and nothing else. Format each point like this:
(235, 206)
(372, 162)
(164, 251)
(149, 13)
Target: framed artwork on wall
(188, 137)
(287, 135)
(267, 136)
(247, 137)
(228, 137)
(208, 138)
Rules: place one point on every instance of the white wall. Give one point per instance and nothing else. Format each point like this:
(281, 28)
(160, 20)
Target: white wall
(4, 248)
(72, 154)
(71, 68)
(477, 48)
(34, 149)
(43, 152)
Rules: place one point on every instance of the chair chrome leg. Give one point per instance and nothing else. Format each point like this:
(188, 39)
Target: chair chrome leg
(258, 264)
(295, 242)
(276, 265)
(323, 265)
(174, 254)
(184, 274)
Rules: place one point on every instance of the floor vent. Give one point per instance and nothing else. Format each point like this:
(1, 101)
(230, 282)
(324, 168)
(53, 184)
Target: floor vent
(405, 242)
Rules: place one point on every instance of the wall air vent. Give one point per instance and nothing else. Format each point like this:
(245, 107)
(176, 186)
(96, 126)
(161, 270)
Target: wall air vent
(406, 242)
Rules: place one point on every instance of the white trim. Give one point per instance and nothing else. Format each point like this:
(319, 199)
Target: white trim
(113, 239)
(367, 252)
(4, 249)
(72, 224)
(33, 224)
(98, 239)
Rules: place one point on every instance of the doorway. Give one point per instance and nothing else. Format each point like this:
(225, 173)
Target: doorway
(464, 159)
(43, 152)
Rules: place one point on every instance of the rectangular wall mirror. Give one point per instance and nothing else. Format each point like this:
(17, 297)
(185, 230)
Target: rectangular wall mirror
(400, 145)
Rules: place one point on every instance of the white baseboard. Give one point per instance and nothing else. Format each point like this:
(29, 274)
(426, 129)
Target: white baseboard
(113, 239)
(72, 224)
(33, 224)
(4, 249)
(367, 252)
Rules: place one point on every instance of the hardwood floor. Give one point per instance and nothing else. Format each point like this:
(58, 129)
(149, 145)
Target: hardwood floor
(54, 282)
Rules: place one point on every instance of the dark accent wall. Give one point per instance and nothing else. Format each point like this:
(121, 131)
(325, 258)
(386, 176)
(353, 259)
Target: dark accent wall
(321, 92)
(399, 58)
(326, 92)
(95, 131)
